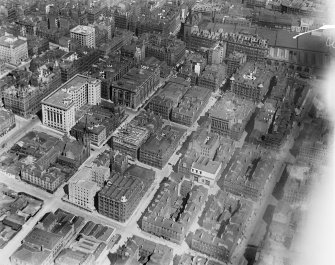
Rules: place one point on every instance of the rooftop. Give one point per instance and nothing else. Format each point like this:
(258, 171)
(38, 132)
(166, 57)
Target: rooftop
(232, 108)
(62, 98)
(163, 140)
(132, 134)
(84, 30)
(254, 74)
(10, 40)
(133, 79)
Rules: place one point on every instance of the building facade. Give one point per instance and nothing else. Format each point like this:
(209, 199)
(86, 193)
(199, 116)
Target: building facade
(135, 87)
(13, 50)
(85, 35)
(7, 121)
(58, 109)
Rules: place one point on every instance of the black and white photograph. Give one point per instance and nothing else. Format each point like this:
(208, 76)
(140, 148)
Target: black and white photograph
(167, 132)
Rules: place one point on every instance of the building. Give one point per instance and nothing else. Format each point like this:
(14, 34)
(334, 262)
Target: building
(212, 77)
(129, 139)
(230, 115)
(82, 189)
(226, 217)
(122, 194)
(100, 174)
(24, 92)
(167, 99)
(234, 61)
(47, 239)
(252, 81)
(191, 105)
(171, 214)
(59, 108)
(160, 146)
(13, 50)
(7, 121)
(109, 71)
(120, 39)
(55, 162)
(43, 244)
(307, 54)
(248, 174)
(165, 48)
(84, 34)
(298, 185)
(164, 20)
(205, 171)
(135, 87)
(253, 46)
(138, 249)
(78, 62)
(217, 54)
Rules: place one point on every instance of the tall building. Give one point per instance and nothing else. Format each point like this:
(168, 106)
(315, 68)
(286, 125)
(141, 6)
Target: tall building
(234, 61)
(58, 109)
(82, 189)
(84, 34)
(13, 50)
(122, 194)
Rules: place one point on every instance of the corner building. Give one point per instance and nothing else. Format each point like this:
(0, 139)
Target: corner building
(58, 109)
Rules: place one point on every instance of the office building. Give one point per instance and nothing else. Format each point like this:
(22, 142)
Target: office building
(78, 62)
(164, 48)
(234, 61)
(135, 87)
(82, 189)
(191, 105)
(58, 109)
(122, 193)
(212, 77)
(13, 50)
(109, 71)
(230, 115)
(160, 146)
(129, 139)
(254, 47)
(252, 81)
(85, 35)
(248, 174)
(167, 99)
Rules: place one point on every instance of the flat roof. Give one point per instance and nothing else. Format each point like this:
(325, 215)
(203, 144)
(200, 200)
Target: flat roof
(230, 107)
(133, 79)
(9, 40)
(61, 98)
(255, 74)
(84, 30)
